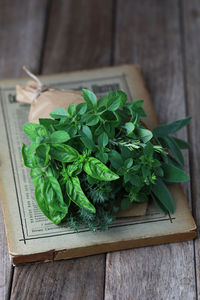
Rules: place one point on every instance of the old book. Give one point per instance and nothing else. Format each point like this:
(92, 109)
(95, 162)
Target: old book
(32, 237)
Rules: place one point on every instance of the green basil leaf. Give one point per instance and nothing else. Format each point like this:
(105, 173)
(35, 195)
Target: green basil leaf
(64, 153)
(29, 130)
(174, 174)
(181, 143)
(170, 128)
(58, 113)
(28, 158)
(160, 190)
(42, 155)
(144, 134)
(103, 139)
(50, 199)
(86, 137)
(74, 169)
(36, 175)
(89, 97)
(60, 136)
(81, 108)
(41, 131)
(32, 148)
(76, 194)
(96, 169)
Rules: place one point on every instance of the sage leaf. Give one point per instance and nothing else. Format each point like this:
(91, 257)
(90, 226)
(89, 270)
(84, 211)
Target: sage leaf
(181, 143)
(174, 148)
(174, 174)
(160, 190)
(159, 204)
(170, 128)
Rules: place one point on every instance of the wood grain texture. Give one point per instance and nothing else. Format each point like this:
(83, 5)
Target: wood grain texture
(5, 265)
(21, 35)
(148, 33)
(150, 273)
(79, 35)
(191, 28)
(73, 279)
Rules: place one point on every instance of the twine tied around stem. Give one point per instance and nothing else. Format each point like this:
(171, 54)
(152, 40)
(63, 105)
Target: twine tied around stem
(40, 86)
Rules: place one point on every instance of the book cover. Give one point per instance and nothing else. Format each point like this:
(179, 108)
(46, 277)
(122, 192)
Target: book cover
(31, 236)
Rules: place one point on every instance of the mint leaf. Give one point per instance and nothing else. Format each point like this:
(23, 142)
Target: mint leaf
(58, 113)
(81, 108)
(113, 103)
(60, 136)
(89, 97)
(86, 137)
(103, 139)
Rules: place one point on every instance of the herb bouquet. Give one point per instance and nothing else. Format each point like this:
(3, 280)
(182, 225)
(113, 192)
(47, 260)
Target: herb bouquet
(93, 159)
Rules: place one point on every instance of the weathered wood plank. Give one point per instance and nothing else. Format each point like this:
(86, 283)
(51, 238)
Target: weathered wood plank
(80, 39)
(191, 28)
(79, 35)
(21, 35)
(74, 279)
(5, 266)
(148, 33)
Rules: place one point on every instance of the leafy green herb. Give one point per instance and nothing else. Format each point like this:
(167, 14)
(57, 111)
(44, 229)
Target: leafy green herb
(92, 159)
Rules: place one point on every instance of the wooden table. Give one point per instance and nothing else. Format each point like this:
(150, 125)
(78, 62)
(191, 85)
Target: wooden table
(163, 37)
